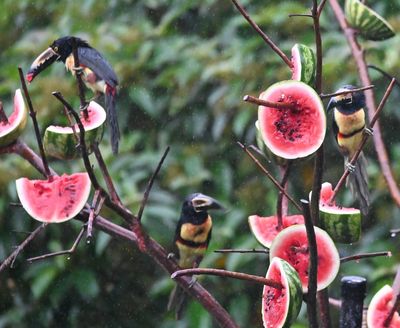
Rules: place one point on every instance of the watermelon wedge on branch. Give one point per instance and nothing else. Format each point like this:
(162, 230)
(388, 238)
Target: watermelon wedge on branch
(54, 200)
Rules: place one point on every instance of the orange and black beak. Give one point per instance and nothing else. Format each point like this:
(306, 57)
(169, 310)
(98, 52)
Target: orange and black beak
(44, 60)
(201, 203)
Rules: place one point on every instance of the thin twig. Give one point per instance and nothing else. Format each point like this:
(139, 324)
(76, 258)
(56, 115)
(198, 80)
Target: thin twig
(269, 175)
(3, 116)
(78, 73)
(364, 256)
(396, 293)
(228, 274)
(363, 141)
(106, 175)
(266, 103)
(11, 258)
(97, 204)
(358, 55)
(329, 95)
(265, 37)
(32, 114)
(300, 15)
(385, 74)
(244, 251)
(66, 252)
(279, 202)
(393, 310)
(150, 184)
(312, 266)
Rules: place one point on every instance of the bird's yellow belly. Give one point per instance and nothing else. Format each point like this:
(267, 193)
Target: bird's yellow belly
(349, 124)
(197, 233)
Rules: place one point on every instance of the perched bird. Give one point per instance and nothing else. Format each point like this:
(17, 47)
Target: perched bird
(98, 74)
(192, 236)
(348, 127)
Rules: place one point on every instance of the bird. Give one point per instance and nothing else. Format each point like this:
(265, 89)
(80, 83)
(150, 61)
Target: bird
(348, 127)
(192, 236)
(98, 75)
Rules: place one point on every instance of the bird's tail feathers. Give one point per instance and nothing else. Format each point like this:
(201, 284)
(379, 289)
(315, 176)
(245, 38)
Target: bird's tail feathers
(358, 183)
(177, 301)
(110, 100)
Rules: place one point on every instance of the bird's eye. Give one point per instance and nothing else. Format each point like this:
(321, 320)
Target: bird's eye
(55, 49)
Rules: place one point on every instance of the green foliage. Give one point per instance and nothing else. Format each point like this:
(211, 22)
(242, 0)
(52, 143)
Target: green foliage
(184, 67)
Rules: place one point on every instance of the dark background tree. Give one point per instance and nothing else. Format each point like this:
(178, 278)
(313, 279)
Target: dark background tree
(184, 68)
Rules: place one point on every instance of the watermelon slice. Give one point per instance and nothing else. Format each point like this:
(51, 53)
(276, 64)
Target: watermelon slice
(291, 244)
(60, 142)
(292, 133)
(265, 228)
(56, 200)
(304, 64)
(343, 224)
(379, 308)
(368, 23)
(15, 124)
(281, 307)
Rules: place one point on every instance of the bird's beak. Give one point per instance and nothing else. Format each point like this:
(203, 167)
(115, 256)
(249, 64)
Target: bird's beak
(203, 203)
(44, 60)
(332, 104)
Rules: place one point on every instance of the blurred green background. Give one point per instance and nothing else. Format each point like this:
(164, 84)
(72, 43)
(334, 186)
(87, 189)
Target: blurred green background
(184, 67)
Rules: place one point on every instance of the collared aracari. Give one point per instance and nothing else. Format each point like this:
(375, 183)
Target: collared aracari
(348, 127)
(98, 74)
(192, 236)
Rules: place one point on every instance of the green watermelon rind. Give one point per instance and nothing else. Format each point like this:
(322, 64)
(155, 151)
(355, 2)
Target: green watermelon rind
(315, 99)
(369, 24)
(334, 254)
(291, 281)
(304, 64)
(15, 128)
(25, 201)
(343, 226)
(61, 143)
(385, 291)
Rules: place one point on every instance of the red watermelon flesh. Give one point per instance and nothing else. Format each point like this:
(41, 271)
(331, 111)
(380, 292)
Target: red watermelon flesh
(274, 303)
(379, 308)
(54, 200)
(280, 307)
(291, 244)
(292, 133)
(265, 228)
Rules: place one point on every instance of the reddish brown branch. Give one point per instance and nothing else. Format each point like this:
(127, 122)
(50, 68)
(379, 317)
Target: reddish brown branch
(329, 95)
(269, 175)
(279, 203)
(243, 251)
(78, 73)
(66, 252)
(358, 55)
(228, 274)
(266, 103)
(11, 258)
(150, 184)
(364, 256)
(106, 175)
(265, 37)
(312, 266)
(32, 114)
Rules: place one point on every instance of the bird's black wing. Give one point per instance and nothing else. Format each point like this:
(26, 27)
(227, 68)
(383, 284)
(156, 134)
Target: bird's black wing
(91, 58)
